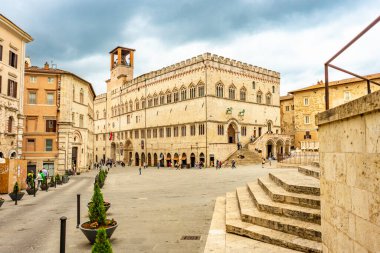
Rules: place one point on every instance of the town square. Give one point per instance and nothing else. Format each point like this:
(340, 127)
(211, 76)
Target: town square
(195, 126)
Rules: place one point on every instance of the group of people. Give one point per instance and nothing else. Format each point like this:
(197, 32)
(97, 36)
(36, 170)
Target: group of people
(41, 176)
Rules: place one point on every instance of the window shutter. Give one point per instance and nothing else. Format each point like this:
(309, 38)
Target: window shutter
(9, 88)
(14, 89)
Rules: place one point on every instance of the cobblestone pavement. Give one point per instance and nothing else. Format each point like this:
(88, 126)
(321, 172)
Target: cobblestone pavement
(153, 210)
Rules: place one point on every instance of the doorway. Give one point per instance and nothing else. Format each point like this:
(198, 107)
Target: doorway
(74, 158)
(231, 133)
(192, 160)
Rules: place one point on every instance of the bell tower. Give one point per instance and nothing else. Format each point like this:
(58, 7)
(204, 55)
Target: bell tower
(122, 63)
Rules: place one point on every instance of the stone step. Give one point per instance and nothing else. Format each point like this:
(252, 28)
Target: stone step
(249, 213)
(309, 170)
(315, 164)
(278, 194)
(296, 182)
(236, 226)
(265, 203)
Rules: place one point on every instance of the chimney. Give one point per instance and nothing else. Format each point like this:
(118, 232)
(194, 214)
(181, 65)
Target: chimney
(46, 65)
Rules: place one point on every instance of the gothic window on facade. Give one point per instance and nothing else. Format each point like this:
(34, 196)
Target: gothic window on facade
(130, 106)
(162, 99)
(192, 92)
(201, 129)
(161, 132)
(192, 130)
(183, 94)
(155, 133)
(155, 101)
(219, 90)
(149, 133)
(273, 89)
(128, 119)
(168, 98)
(231, 92)
(137, 105)
(175, 96)
(150, 102)
(259, 97)
(168, 132)
(201, 90)
(220, 129)
(143, 104)
(253, 85)
(142, 133)
(243, 94)
(136, 134)
(243, 131)
(268, 99)
(183, 130)
(175, 131)
(81, 96)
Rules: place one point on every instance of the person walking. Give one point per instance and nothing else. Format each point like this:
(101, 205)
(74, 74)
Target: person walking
(39, 178)
(262, 162)
(233, 164)
(158, 165)
(217, 164)
(270, 161)
(140, 171)
(144, 165)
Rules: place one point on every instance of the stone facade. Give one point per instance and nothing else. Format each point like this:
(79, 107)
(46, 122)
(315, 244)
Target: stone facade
(195, 110)
(310, 101)
(12, 54)
(59, 120)
(350, 174)
(287, 116)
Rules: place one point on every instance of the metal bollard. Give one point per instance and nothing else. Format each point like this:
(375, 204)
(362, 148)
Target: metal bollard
(63, 235)
(16, 199)
(78, 210)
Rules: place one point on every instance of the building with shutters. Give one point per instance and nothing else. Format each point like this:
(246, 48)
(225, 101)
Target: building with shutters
(13, 41)
(58, 109)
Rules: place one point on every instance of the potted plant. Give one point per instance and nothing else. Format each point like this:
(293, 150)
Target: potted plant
(16, 193)
(52, 182)
(58, 179)
(98, 218)
(100, 178)
(1, 201)
(31, 185)
(107, 205)
(102, 244)
(44, 185)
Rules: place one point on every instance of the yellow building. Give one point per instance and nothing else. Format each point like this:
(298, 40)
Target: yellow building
(59, 120)
(287, 116)
(310, 101)
(12, 56)
(195, 110)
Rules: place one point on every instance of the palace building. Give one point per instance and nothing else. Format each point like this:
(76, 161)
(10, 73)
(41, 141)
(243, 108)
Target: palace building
(195, 110)
(59, 125)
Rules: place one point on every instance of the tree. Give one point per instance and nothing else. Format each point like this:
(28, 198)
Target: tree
(96, 212)
(102, 244)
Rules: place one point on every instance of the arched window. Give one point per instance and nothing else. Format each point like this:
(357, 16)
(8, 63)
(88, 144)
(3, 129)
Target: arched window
(81, 96)
(130, 106)
(175, 95)
(97, 114)
(192, 91)
(243, 93)
(201, 89)
(253, 85)
(268, 99)
(122, 107)
(126, 106)
(168, 97)
(231, 92)
(155, 100)
(137, 104)
(162, 98)
(143, 103)
(219, 90)
(10, 124)
(73, 93)
(259, 97)
(273, 89)
(183, 93)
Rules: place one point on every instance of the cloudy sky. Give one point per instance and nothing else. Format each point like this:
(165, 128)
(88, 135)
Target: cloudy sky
(293, 37)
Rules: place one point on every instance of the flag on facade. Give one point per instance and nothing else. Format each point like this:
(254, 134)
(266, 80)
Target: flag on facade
(111, 136)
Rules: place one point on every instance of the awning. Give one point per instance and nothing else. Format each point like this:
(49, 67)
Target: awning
(175, 158)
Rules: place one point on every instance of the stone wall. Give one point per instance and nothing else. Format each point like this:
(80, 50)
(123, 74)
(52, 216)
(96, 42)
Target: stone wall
(350, 176)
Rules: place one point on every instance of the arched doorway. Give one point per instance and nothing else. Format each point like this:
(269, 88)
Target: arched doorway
(184, 160)
(176, 159)
(1, 155)
(168, 160)
(13, 155)
(128, 147)
(270, 149)
(162, 160)
(142, 158)
(137, 160)
(155, 159)
(192, 160)
(149, 159)
(231, 133)
(280, 148)
(113, 151)
(202, 158)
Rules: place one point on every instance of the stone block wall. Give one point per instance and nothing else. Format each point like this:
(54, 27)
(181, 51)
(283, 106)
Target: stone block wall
(350, 176)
